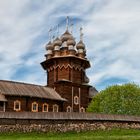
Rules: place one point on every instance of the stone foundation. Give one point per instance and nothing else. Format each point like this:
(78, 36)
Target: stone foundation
(64, 122)
(67, 127)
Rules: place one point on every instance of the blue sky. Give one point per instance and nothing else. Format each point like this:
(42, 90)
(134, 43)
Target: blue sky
(111, 34)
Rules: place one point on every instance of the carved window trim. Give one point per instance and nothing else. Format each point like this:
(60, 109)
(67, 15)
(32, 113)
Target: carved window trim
(69, 109)
(82, 109)
(55, 108)
(76, 100)
(17, 105)
(34, 107)
(43, 108)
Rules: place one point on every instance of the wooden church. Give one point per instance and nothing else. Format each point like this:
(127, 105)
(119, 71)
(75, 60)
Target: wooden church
(67, 88)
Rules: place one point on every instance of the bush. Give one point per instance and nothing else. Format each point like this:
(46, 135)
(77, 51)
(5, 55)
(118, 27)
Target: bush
(117, 99)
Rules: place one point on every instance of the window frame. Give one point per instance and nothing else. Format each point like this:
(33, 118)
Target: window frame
(76, 100)
(34, 103)
(17, 102)
(69, 107)
(55, 105)
(45, 104)
(82, 108)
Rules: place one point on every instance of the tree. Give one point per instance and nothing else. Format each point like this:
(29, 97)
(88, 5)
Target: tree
(117, 99)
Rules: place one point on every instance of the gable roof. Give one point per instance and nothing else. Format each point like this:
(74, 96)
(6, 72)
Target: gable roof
(23, 89)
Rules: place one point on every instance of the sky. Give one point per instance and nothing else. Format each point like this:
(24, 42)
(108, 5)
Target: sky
(111, 34)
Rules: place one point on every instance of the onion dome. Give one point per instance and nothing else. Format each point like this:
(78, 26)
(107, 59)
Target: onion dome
(49, 46)
(71, 41)
(66, 36)
(80, 45)
(57, 42)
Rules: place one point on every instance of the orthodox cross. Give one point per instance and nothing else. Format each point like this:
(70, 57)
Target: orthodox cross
(53, 37)
(71, 26)
(49, 33)
(67, 22)
(81, 34)
(58, 30)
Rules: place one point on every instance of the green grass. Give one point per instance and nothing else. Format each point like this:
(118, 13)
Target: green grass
(115, 134)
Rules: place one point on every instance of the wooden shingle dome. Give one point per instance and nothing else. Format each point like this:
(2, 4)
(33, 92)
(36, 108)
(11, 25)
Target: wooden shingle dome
(66, 36)
(49, 46)
(71, 41)
(80, 45)
(57, 42)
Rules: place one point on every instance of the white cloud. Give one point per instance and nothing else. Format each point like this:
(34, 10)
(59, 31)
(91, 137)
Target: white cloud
(111, 29)
(115, 41)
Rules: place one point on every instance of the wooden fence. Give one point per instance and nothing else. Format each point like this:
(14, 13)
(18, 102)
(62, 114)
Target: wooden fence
(67, 116)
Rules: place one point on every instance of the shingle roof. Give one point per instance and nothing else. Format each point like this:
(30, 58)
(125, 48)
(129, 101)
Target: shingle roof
(23, 89)
(2, 98)
(92, 92)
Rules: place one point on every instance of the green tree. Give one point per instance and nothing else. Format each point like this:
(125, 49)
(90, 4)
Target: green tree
(117, 99)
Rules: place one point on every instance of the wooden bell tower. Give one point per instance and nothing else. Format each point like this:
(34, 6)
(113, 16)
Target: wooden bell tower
(66, 65)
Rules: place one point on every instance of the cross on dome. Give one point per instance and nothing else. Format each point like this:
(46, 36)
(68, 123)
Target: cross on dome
(71, 28)
(67, 22)
(58, 30)
(81, 34)
(49, 33)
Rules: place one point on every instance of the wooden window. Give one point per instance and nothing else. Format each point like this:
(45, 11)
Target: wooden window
(55, 108)
(17, 105)
(76, 100)
(82, 109)
(45, 107)
(69, 109)
(34, 107)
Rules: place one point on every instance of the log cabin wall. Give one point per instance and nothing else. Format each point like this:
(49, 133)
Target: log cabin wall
(69, 90)
(68, 69)
(63, 73)
(26, 104)
(84, 96)
(76, 77)
(51, 77)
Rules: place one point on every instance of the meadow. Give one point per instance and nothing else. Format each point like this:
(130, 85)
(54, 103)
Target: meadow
(116, 134)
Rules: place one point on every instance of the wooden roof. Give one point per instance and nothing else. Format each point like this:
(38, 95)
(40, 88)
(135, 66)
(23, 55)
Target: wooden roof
(85, 61)
(23, 89)
(2, 98)
(92, 92)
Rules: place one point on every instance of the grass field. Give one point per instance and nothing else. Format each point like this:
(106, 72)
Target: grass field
(90, 135)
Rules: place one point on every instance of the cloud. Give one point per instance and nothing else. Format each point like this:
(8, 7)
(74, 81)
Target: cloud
(111, 30)
(114, 42)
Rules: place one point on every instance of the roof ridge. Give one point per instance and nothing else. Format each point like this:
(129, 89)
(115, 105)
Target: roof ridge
(10, 81)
